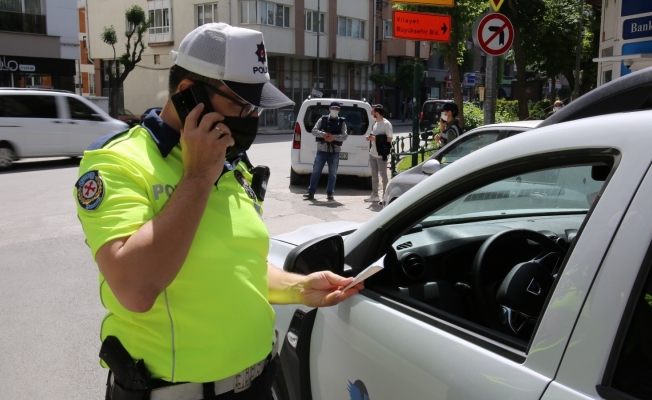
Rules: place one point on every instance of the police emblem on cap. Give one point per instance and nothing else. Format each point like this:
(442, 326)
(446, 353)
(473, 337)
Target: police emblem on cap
(262, 57)
(243, 181)
(90, 190)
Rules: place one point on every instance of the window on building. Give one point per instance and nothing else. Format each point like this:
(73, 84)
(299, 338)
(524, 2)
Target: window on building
(264, 13)
(315, 21)
(160, 21)
(23, 6)
(388, 31)
(350, 27)
(91, 83)
(206, 13)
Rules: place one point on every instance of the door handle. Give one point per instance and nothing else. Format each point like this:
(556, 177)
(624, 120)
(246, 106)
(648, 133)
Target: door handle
(72, 122)
(57, 122)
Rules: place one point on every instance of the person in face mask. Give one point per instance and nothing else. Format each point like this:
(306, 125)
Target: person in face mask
(330, 132)
(449, 125)
(558, 105)
(172, 215)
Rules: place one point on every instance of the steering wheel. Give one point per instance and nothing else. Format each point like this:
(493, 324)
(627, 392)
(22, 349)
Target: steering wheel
(515, 300)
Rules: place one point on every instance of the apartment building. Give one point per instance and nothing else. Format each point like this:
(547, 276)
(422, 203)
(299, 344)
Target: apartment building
(626, 42)
(39, 44)
(293, 30)
(85, 69)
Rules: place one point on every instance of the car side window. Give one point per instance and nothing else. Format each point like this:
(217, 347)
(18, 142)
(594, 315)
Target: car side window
(633, 374)
(469, 145)
(28, 106)
(79, 110)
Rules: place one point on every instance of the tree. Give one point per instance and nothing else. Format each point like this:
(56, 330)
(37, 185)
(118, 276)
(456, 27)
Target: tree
(526, 16)
(463, 15)
(136, 28)
(404, 79)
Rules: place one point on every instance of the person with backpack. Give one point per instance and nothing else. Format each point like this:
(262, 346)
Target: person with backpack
(380, 146)
(449, 125)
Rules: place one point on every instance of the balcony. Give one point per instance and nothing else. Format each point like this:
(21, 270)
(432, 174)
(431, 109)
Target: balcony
(20, 22)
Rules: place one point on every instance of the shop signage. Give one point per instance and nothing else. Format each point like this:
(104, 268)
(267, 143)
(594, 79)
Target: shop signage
(8, 64)
(422, 26)
(637, 28)
(633, 7)
(43, 66)
(440, 3)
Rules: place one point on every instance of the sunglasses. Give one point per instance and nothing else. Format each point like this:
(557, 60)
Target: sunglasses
(246, 109)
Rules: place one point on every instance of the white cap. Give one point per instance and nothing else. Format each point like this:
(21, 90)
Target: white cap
(235, 56)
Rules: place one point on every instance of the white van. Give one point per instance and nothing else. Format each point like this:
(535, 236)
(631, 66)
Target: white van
(49, 123)
(354, 158)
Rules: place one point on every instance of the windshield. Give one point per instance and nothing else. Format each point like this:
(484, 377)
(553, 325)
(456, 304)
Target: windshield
(548, 191)
(356, 118)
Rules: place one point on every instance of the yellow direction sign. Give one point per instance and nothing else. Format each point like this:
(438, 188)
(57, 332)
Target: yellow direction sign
(440, 3)
(495, 4)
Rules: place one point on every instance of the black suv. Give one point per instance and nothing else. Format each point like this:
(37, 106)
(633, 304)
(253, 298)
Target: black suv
(430, 112)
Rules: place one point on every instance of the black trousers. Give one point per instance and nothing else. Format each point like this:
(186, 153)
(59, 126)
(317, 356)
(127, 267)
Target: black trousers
(260, 389)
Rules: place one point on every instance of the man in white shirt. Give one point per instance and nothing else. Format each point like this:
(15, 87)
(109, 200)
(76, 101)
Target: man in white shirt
(380, 138)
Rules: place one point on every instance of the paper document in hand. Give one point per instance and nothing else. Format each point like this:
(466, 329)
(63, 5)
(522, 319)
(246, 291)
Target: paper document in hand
(372, 269)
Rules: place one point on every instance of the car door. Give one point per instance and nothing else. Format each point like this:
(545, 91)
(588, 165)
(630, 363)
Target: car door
(84, 125)
(382, 346)
(32, 123)
(611, 356)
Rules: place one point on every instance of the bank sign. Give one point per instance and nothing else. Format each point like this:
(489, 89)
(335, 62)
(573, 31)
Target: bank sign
(637, 28)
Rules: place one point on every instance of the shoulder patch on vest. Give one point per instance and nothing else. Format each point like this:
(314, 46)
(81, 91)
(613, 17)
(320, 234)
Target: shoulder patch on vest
(101, 142)
(90, 190)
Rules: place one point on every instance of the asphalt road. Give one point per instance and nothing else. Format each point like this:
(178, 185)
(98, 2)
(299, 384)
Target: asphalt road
(51, 312)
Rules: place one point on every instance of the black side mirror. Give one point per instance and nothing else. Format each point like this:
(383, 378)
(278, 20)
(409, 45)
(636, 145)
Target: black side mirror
(97, 117)
(325, 253)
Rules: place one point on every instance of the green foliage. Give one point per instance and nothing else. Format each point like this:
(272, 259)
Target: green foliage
(381, 79)
(109, 36)
(539, 109)
(404, 78)
(506, 110)
(473, 116)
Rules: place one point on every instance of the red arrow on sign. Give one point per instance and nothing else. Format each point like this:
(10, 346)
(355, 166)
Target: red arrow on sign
(495, 4)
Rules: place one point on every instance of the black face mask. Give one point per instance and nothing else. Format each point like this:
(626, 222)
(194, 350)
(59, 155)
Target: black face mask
(244, 132)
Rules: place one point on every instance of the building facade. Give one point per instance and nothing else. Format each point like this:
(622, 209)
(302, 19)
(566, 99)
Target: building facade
(293, 30)
(39, 45)
(626, 42)
(85, 69)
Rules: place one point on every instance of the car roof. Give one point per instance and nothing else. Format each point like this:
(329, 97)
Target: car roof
(532, 123)
(631, 92)
(328, 101)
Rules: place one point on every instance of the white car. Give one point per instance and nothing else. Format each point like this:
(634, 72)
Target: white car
(354, 157)
(49, 123)
(521, 271)
(460, 147)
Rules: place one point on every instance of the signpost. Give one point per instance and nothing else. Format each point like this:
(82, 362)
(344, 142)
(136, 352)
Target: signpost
(440, 3)
(494, 34)
(421, 26)
(495, 4)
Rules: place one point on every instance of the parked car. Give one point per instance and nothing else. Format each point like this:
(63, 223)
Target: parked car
(430, 113)
(520, 271)
(128, 117)
(522, 268)
(460, 147)
(627, 93)
(149, 110)
(49, 123)
(354, 157)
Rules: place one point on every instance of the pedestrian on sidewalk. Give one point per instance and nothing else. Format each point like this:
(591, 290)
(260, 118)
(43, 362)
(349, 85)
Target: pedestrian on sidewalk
(449, 125)
(410, 107)
(380, 139)
(329, 132)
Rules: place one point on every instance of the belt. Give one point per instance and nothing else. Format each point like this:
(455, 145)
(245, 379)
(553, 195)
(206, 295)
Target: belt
(195, 391)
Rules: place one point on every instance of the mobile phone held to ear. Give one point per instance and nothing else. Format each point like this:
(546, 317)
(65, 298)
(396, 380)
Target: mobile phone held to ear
(187, 99)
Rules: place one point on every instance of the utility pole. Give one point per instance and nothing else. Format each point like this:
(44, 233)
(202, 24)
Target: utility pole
(489, 108)
(578, 54)
(416, 83)
(318, 40)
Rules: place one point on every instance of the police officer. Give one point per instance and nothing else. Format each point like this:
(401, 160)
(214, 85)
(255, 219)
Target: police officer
(330, 132)
(175, 228)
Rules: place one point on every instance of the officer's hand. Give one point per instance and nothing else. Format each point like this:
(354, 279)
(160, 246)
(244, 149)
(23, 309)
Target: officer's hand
(203, 149)
(323, 289)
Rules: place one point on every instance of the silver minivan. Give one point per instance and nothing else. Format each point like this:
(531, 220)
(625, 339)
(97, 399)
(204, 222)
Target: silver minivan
(49, 123)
